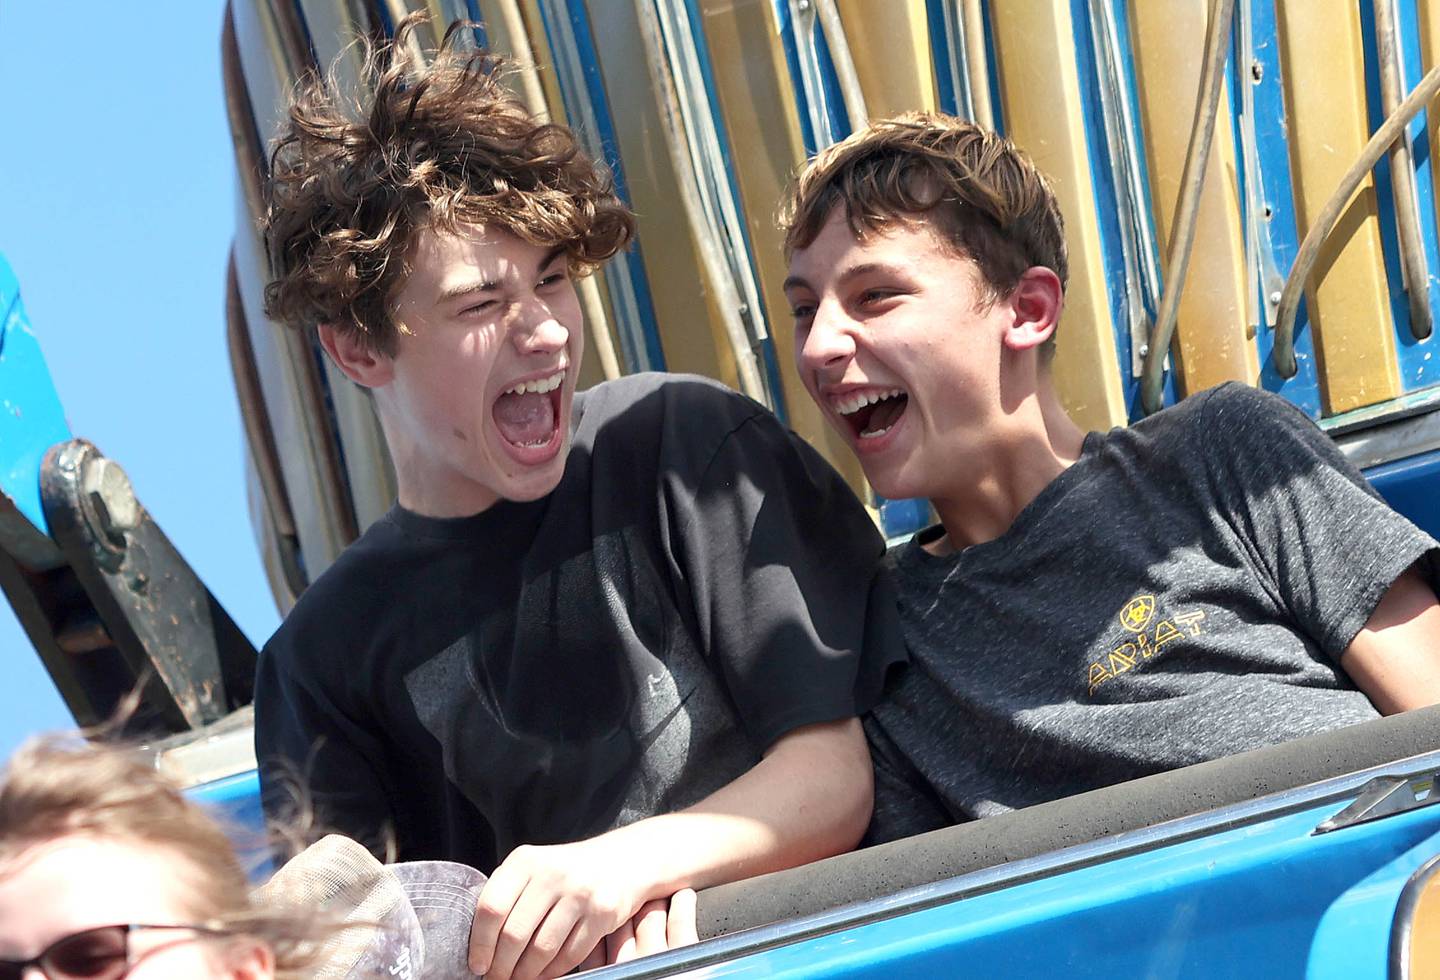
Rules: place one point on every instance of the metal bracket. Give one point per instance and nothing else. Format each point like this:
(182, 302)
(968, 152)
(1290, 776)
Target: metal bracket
(125, 606)
(1385, 796)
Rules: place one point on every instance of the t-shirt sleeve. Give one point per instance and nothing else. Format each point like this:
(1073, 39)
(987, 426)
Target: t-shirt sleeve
(905, 804)
(1323, 541)
(784, 567)
(318, 771)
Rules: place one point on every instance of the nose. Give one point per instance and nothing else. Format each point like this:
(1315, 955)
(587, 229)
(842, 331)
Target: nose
(534, 329)
(828, 343)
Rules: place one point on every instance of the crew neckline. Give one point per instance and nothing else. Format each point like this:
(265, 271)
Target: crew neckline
(913, 552)
(503, 514)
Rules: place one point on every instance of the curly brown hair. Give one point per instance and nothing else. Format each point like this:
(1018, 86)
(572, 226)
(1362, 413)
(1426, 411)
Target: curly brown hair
(981, 192)
(351, 184)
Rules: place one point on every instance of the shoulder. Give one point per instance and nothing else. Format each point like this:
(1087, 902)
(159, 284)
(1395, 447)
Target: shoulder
(655, 396)
(341, 603)
(1229, 416)
(1237, 403)
(681, 420)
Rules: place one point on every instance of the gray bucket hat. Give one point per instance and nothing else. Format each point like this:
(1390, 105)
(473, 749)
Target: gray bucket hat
(412, 920)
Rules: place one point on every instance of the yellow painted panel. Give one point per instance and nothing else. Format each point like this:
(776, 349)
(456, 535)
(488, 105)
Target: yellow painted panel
(691, 331)
(544, 58)
(1321, 49)
(1040, 95)
(1212, 342)
(758, 104)
(890, 45)
(543, 81)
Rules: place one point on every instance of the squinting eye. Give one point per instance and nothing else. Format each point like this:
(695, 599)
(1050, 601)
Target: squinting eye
(90, 954)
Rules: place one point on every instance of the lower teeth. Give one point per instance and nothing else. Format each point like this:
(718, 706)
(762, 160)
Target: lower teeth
(875, 434)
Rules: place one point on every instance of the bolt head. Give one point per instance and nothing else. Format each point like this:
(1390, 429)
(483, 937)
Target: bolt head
(111, 497)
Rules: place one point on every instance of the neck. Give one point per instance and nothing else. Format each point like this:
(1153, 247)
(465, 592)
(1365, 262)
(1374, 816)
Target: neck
(1037, 442)
(427, 488)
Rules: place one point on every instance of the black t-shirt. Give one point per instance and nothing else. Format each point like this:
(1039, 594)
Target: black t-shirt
(698, 584)
(1184, 591)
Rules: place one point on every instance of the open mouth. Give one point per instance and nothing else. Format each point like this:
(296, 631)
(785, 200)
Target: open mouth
(871, 414)
(527, 414)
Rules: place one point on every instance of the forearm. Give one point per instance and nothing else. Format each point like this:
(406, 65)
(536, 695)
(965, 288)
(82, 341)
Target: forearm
(1395, 659)
(808, 798)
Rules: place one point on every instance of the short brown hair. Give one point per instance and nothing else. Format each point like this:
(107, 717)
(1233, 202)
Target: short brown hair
(443, 146)
(981, 193)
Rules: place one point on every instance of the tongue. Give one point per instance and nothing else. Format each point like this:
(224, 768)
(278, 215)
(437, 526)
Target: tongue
(886, 413)
(525, 420)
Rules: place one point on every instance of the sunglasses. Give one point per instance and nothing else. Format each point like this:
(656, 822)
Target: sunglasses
(102, 953)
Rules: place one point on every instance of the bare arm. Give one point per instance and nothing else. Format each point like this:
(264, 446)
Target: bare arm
(547, 907)
(1395, 658)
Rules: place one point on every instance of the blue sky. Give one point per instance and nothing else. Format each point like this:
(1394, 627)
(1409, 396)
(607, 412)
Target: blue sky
(116, 177)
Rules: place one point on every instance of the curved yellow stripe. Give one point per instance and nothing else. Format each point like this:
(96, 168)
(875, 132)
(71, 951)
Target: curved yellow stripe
(890, 45)
(1212, 340)
(691, 331)
(758, 104)
(1322, 52)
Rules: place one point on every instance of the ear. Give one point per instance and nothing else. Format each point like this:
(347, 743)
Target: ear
(250, 959)
(1035, 303)
(361, 364)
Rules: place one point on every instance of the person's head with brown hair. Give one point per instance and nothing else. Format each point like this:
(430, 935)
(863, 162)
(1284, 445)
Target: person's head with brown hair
(431, 229)
(982, 193)
(107, 870)
(927, 273)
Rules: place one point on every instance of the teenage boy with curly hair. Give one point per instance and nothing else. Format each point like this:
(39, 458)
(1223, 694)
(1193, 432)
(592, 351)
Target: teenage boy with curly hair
(607, 645)
(1091, 607)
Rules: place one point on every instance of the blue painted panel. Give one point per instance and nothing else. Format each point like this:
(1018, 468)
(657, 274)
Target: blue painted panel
(1277, 194)
(1418, 366)
(1412, 486)
(236, 801)
(31, 417)
(769, 362)
(652, 356)
(1107, 208)
(1264, 900)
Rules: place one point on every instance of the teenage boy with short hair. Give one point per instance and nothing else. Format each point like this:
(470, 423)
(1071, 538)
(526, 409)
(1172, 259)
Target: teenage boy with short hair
(607, 645)
(1091, 607)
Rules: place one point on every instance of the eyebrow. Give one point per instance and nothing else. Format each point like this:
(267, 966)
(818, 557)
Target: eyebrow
(854, 272)
(490, 285)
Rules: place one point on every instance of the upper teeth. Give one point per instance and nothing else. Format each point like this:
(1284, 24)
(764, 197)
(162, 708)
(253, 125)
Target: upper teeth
(856, 400)
(539, 386)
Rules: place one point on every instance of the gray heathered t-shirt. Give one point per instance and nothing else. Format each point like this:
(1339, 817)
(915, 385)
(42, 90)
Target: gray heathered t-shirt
(1182, 592)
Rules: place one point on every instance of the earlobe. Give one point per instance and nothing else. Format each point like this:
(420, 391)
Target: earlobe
(360, 363)
(253, 960)
(1035, 302)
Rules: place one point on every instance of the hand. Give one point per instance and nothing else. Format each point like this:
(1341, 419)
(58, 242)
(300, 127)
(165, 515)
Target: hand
(547, 907)
(658, 926)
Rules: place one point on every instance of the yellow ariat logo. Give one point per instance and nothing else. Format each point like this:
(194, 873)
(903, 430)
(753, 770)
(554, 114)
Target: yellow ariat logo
(1148, 636)
(1137, 613)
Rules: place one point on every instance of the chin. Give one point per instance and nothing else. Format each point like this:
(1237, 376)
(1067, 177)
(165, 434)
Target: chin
(894, 486)
(538, 483)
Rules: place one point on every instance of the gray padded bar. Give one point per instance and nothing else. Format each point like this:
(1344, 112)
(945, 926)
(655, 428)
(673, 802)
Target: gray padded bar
(942, 854)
